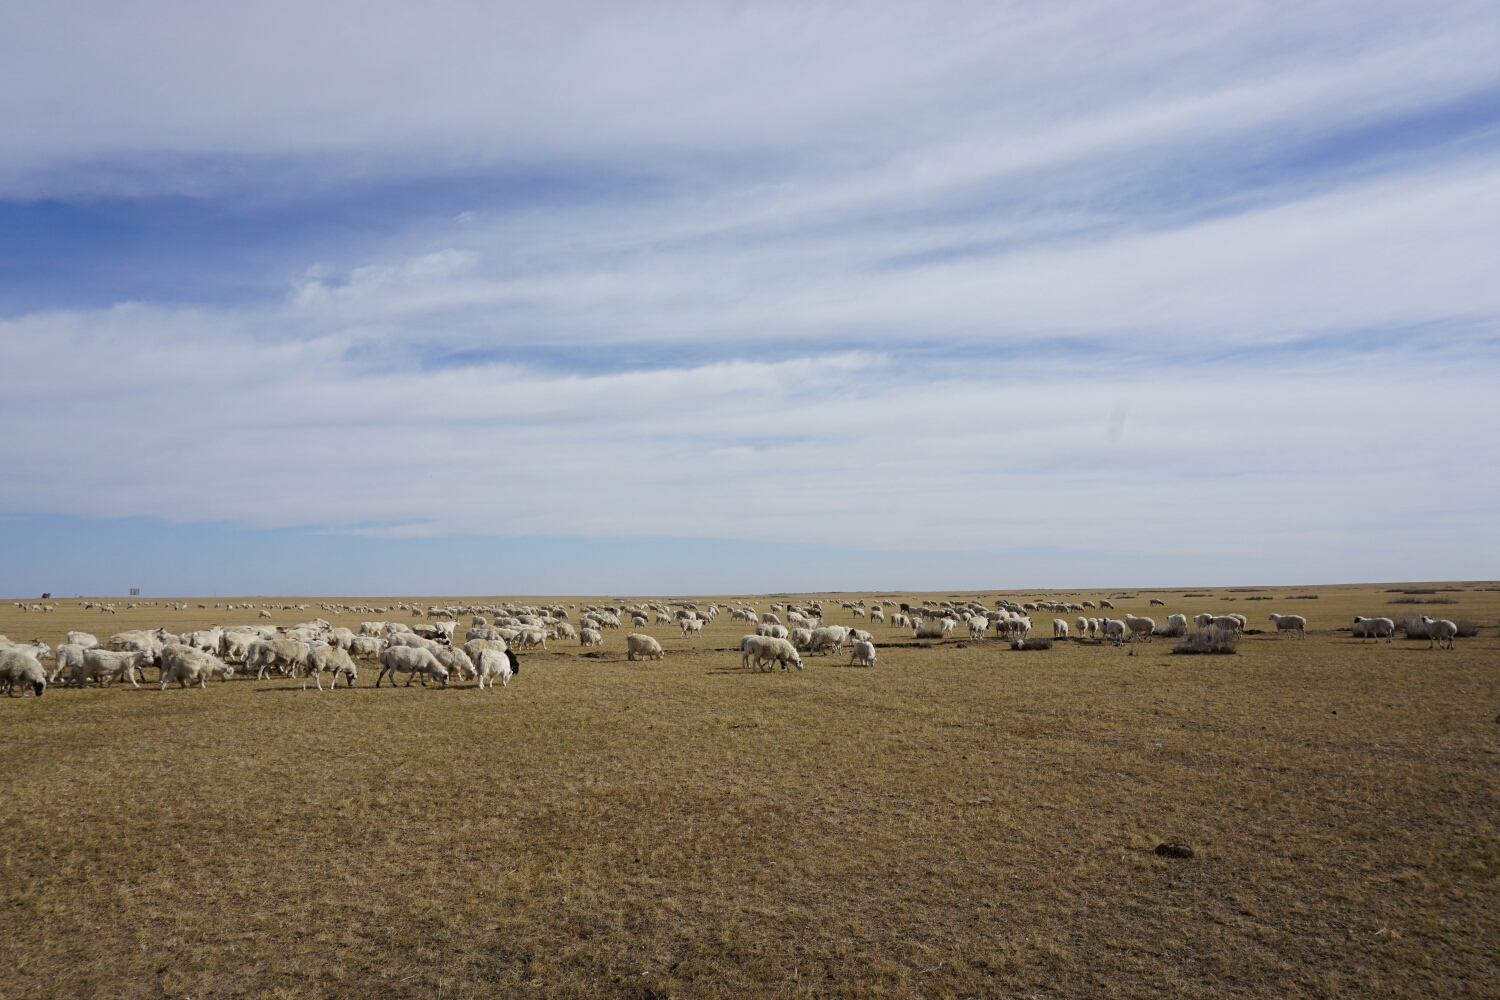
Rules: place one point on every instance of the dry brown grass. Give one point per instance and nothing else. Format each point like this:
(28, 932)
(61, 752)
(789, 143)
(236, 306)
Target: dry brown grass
(954, 822)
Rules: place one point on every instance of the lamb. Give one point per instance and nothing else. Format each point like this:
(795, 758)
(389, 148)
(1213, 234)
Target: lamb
(642, 645)
(497, 663)
(1059, 629)
(1374, 627)
(862, 653)
(413, 661)
(191, 665)
(590, 637)
(20, 670)
(1437, 631)
(1139, 626)
(689, 625)
(283, 654)
(104, 665)
(336, 661)
(1290, 623)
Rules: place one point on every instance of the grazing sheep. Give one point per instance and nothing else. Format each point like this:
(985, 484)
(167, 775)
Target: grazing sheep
(264, 613)
(1059, 629)
(1439, 630)
(413, 661)
(283, 654)
(530, 638)
(978, 624)
(456, 660)
(800, 638)
(590, 637)
(365, 647)
(642, 645)
(862, 653)
(758, 649)
(20, 670)
(566, 631)
(191, 665)
(1290, 623)
(104, 665)
(1082, 624)
(497, 663)
(1106, 604)
(1113, 629)
(688, 625)
(931, 628)
(828, 635)
(1088, 604)
(336, 661)
(770, 619)
(1139, 626)
(1155, 603)
(1368, 628)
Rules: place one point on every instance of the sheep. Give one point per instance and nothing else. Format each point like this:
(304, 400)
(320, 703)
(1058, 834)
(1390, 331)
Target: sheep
(977, 626)
(191, 665)
(876, 615)
(342, 638)
(1106, 604)
(264, 613)
(1082, 624)
(642, 645)
(145, 642)
(83, 639)
(1175, 624)
(283, 654)
(67, 663)
(20, 670)
(1059, 629)
(1368, 628)
(1439, 630)
(860, 635)
(566, 631)
(208, 640)
(1156, 603)
(336, 661)
(758, 649)
(1139, 626)
(1088, 604)
(828, 635)
(769, 619)
(690, 625)
(497, 663)
(800, 638)
(862, 653)
(1290, 623)
(365, 647)
(1232, 623)
(104, 665)
(1204, 620)
(413, 661)
(530, 638)
(590, 637)
(456, 660)
(1113, 629)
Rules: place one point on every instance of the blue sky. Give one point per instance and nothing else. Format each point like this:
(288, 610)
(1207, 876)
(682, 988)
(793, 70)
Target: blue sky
(381, 298)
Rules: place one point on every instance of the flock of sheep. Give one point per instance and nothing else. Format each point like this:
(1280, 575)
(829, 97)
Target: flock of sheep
(430, 651)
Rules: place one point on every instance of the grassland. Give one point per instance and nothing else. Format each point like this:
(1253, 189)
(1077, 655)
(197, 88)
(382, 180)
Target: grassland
(958, 821)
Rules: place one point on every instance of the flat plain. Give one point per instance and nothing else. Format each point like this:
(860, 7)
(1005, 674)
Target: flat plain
(964, 820)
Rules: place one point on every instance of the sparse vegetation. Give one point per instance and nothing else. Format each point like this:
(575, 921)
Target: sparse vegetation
(952, 822)
(1302, 597)
(1422, 600)
(1036, 642)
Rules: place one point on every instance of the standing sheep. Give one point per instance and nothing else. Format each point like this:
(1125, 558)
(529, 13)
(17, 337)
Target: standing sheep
(1437, 631)
(1059, 629)
(862, 653)
(496, 663)
(1289, 624)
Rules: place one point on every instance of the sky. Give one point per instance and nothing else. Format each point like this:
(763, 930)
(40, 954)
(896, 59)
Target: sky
(746, 297)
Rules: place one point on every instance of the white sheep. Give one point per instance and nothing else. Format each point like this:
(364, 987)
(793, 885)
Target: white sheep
(642, 645)
(1375, 628)
(978, 624)
(497, 663)
(590, 637)
(1059, 628)
(84, 639)
(104, 665)
(1290, 623)
(758, 649)
(1112, 628)
(530, 638)
(21, 671)
(412, 661)
(336, 661)
(191, 665)
(826, 636)
(1439, 630)
(1082, 624)
(862, 653)
(688, 625)
(1139, 625)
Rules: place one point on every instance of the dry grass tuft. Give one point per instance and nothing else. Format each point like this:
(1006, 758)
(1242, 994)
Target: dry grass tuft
(1208, 640)
(1037, 642)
